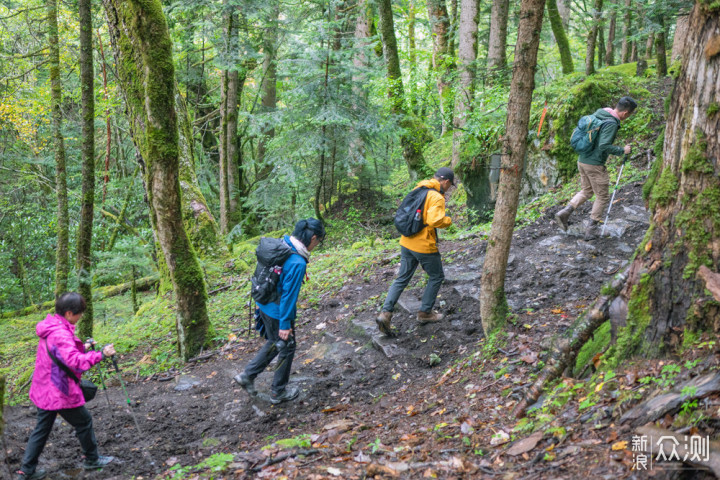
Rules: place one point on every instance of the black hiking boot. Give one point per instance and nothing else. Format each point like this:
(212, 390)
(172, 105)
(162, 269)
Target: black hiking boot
(97, 464)
(36, 475)
(383, 323)
(246, 383)
(562, 217)
(592, 231)
(290, 393)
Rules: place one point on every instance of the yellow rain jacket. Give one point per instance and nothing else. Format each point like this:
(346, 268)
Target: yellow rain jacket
(425, 241)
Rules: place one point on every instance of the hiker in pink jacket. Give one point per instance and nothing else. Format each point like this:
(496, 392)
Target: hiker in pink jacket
(53, 392)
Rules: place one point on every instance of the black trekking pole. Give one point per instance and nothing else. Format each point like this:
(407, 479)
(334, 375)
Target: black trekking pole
(102, 377)
(625, 158)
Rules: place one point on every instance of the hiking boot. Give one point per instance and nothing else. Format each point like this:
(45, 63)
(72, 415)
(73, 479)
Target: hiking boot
(592, 231)
(429, 317)
(562, 216)
(36, 475)
(97, 464)
(246, 383)
(290, 393)
(383, 323)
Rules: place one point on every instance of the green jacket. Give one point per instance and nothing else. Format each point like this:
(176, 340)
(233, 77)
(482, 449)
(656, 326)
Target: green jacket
(604, 147)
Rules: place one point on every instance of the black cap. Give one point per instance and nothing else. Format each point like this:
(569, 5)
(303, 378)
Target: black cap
(445, 173)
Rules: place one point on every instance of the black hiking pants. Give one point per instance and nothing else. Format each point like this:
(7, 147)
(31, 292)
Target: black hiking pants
(78, 417)
(409, 261)
(268, 352)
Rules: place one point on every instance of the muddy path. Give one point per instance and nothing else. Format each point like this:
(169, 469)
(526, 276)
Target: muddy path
(386, 392)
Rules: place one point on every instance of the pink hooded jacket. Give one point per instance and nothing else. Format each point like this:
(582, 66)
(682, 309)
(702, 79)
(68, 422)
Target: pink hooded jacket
(51, 387)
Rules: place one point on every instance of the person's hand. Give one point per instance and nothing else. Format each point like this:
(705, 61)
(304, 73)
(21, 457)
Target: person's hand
(89, 344)
(108, 350)
(628, 149)
(284, 334)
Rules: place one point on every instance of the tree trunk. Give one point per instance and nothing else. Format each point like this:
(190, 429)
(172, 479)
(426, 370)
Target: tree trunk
(626, 48)
(441, 60)
(649, 46)
(269, 87)
(453, 27)
(415, 136)
(143, 50)
(360, 62)
(660, 51)
(666, 295)
(610, 46)
(222, 156)
(496, 60)
(564, 9)
(559, 33)
(592, 38)
(412, 54)
(63, 222)
(493, 304)
(467, 49)
(601, 44)
(84, 238)
(681, 30)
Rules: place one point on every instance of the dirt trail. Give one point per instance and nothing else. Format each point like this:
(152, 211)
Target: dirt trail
(388, 398)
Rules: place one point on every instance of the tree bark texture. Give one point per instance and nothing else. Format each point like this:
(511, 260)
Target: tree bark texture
(681, 30)
(497, 60)
(269, 87)
(84, 238)
(467, 52)
(231, 119)
(649, 46)
(660, 49)
(563, 44)
(224, 191)
(493, 304)
(592, 38)
(626, 49)
(415, 136)
(441, 59)
(684, 234)
(63, 222)
(143, 51)
(610, 46)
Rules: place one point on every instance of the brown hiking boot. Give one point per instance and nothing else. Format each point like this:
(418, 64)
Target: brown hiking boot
(383, 323)
(429, 317)
(562, 216)
(592, 231)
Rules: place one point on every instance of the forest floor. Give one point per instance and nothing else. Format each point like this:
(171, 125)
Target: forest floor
(433, 402)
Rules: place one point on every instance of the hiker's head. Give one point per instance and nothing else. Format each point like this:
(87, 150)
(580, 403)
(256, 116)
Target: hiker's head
(446, 177)
(625, 107)
(310, 232)
(70, 305)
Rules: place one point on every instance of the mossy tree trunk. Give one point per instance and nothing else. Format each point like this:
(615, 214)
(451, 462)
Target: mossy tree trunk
(626, 49)
(467, 52)
(143, 53)
(592, 37)
(665, 294)
(63, 222)
(361, 62)
(560, 37)
(269, 88)
(416, 135)
(496, 59)
(84, 238)
(441, 59)
(610, 47)
(660, 49)
(493, 303)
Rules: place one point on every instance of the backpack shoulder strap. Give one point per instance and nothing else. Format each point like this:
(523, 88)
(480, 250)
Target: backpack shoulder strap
(62, 366)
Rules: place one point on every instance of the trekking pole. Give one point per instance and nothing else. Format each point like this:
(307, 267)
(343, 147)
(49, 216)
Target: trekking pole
(625, 158)
(91, 341)
(127, 397)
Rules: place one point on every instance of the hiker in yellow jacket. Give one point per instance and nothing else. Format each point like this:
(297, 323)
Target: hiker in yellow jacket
(421, 249)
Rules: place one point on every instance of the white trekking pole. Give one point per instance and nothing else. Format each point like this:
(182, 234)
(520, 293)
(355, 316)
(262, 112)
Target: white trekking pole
(602, 232)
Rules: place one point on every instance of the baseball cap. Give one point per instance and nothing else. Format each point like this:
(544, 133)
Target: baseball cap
(445, 173)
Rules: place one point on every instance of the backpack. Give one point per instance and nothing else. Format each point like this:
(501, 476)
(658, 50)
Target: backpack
(271, 254)
(584, 137)
(409, 215)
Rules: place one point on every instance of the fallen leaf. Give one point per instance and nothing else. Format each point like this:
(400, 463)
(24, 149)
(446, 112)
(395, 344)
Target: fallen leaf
(334, 471)
(599, 386)
(621, 445)
(171, 461)
(648, 246)
(362, 458)
(612, 437)
(557, 311)
(340, 425)
(529, 358)
(499, 438)
(320, 326)
(466, 428)
(525, 445)
(375, 469)
(597, 359)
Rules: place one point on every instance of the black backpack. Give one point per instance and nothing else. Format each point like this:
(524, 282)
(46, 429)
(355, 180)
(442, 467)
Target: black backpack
(271, 254)
(409, 215)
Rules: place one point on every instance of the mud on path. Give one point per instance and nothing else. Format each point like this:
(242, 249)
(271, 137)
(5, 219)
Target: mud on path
(367, 399)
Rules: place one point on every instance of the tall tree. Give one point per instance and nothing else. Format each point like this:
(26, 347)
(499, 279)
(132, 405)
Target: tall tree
(143, 52)
(269, 85)
(363, 26)
(660, 48)
(85, 230)
(556, 23)
(63, 221)
(626, 49)
(592, 37)
(467, 52)
(496, 58)
(493, 303)
(610, 47)
(667, 287)
(441, 59)
(415, 135)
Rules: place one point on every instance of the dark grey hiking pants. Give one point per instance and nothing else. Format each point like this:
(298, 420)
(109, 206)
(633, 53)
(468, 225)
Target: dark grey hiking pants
(268, 352)
(409, 261)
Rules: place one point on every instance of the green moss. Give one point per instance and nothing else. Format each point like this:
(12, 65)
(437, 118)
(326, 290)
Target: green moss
(698, 220)
(630, 338)
(628, 69)
(675, 69)
(712, 109)
(664, 190)
(598, 343)
(696, 158)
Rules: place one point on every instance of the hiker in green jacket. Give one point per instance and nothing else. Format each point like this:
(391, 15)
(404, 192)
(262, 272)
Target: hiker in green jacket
(594, 178)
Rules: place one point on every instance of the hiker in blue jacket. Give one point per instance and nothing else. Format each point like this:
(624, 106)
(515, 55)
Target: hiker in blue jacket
(279, 318)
